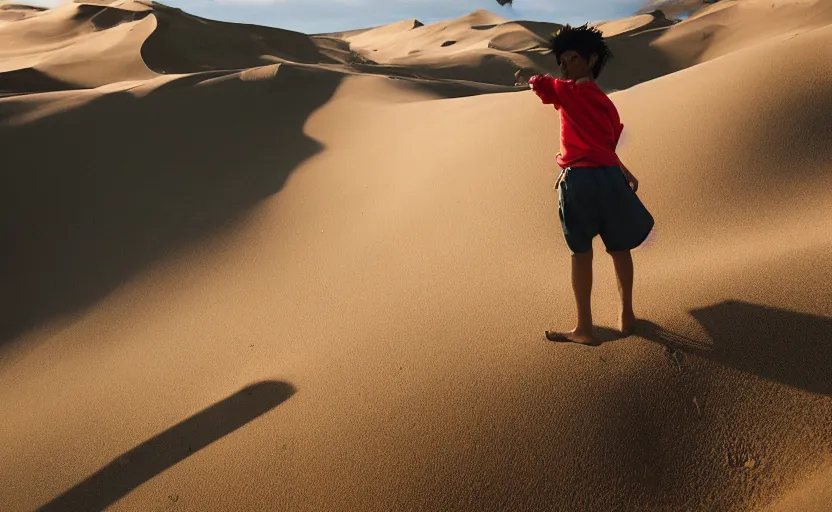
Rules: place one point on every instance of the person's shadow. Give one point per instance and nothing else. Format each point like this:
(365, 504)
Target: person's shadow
(780, 345)
(135, 467)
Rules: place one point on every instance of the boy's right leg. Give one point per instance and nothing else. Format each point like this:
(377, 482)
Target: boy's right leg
(623, 262)
(582, 288)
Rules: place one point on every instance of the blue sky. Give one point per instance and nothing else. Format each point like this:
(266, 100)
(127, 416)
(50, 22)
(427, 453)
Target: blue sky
(316, 16)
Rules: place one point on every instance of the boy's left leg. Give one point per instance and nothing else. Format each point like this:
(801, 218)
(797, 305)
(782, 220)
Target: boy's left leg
(623, 262)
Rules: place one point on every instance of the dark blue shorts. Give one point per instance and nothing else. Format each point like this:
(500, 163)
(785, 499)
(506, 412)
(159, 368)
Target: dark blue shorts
(599, 201)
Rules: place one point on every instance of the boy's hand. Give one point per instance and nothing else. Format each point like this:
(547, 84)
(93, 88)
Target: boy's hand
(544, 87)
(532, 80)
(631, 180)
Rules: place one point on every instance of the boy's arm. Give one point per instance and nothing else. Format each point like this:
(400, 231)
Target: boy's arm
(627, 174)
(544, 87)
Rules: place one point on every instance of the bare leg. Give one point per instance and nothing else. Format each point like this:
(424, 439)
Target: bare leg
(623, 261)
(582, 287)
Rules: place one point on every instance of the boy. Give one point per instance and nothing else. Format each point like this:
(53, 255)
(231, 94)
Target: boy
(596, 192)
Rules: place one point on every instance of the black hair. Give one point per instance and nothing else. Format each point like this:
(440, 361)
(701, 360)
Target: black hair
(585, 40)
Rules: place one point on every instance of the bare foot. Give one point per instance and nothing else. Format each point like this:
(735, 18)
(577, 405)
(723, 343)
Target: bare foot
(627, 323)
(582, 337)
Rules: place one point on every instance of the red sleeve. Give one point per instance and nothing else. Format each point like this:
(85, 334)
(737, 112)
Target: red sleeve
(544, 87)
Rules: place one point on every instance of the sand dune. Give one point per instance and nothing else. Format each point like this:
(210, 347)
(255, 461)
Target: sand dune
(479, 47)
(652, 48)
(733, 25)
(89, 44)
(15, 12)
(308, 286)
(678, 7)
(73, 46)
(634, 24)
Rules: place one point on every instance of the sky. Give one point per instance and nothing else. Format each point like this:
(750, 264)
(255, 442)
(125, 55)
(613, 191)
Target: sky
(320, 16)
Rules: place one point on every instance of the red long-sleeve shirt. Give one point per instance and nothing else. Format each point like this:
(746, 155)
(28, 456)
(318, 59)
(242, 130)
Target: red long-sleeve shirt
(589, 124)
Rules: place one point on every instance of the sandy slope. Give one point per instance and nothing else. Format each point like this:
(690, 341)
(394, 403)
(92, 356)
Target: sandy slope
(383, 259)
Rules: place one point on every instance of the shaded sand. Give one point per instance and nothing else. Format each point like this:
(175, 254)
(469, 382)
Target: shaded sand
(308, 286)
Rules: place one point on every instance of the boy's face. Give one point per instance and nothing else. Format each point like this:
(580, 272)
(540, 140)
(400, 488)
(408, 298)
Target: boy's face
(573, 66)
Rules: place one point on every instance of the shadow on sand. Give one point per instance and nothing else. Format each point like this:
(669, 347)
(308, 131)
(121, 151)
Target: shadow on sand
(175, 444)
(776, 344)
(93, 194)
(779, 345)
